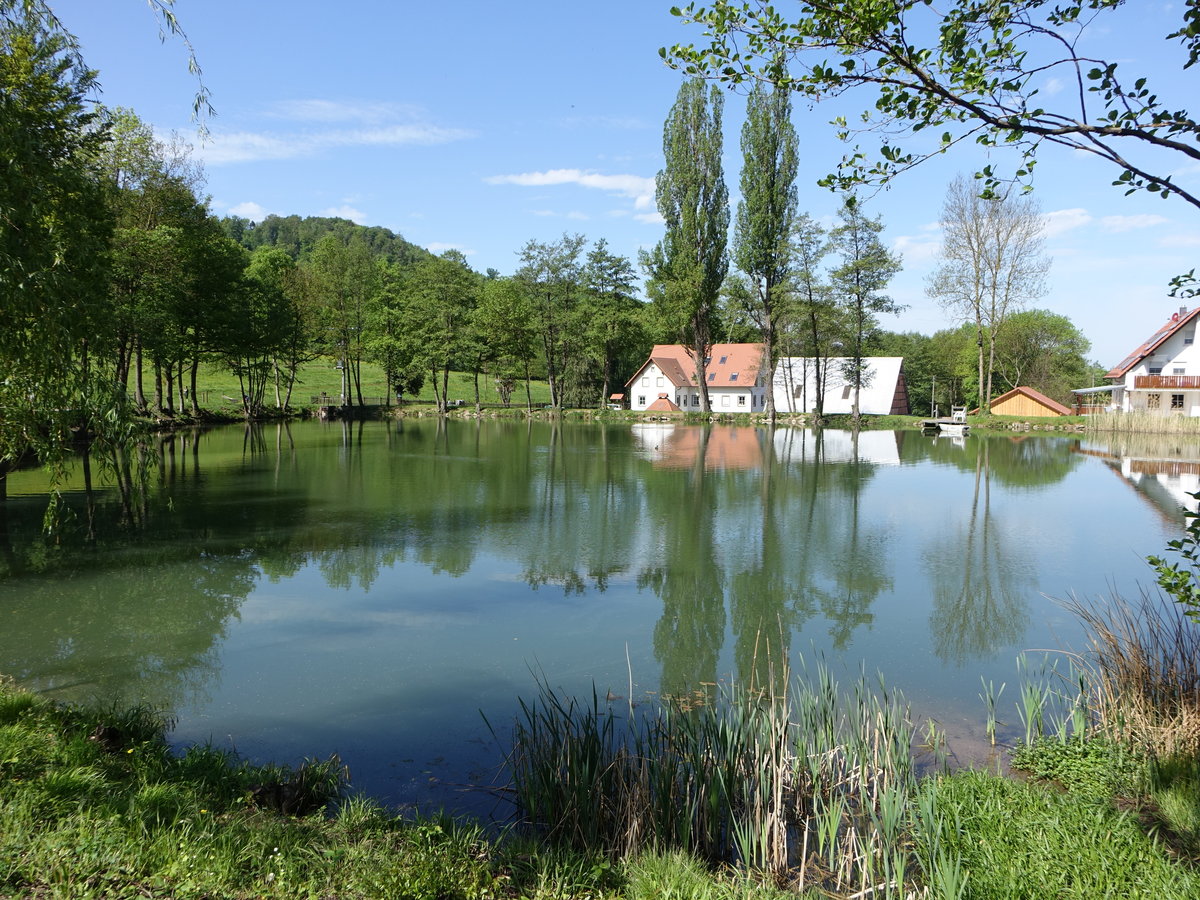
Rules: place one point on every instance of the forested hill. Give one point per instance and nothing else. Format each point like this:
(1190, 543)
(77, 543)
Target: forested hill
(299, 235)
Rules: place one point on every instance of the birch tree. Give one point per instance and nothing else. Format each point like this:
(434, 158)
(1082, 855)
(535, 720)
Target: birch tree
(992, 264)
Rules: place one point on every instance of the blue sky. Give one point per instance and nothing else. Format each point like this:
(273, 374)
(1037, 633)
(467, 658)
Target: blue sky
(480, 126)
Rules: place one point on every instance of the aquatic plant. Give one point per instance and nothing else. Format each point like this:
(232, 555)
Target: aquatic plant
(809, 785)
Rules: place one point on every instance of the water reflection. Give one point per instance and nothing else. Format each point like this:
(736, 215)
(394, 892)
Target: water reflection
(424, 567)
(980, 586)
(1163, 469)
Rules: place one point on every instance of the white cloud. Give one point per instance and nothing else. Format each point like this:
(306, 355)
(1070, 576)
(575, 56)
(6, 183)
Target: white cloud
(577, 215)
(346, 211)
(652, 218)
(636, 187)
(336, 111)
(917, 249)
(1063, 220)
(1129, 223)
(380, 124)
(440, 247)
(248, 210)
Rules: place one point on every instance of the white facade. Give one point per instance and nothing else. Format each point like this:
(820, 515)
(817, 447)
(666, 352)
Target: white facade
(662, 374)
(1164, 374)
(795, 385)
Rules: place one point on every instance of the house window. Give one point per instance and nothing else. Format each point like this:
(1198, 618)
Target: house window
(733, 376)
(641, 400)
(1153, 401)
(659, 381)
(722, 362)
(846, 392)
(645, 381)
(741, 400)
(712, 376)
(1177, 401)
(1155, 370)
(725, 400)
(1177, 371)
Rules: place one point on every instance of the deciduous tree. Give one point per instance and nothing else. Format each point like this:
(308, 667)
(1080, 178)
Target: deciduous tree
(991, 264)
(858, 283)
(687, 267)
(968, 71)
(766, 215)
(54, 232)
(551, 274)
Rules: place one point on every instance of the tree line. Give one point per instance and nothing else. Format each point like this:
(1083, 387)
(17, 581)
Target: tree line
(119, 283)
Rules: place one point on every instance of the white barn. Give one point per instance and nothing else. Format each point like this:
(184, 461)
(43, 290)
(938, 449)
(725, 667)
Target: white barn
(884, 391)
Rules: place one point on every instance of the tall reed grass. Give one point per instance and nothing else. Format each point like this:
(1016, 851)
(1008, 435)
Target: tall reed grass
(1144, 662)
(1143, 422)
(812, 786)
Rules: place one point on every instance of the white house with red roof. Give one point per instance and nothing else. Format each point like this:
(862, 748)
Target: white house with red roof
(1163, 374)
(735, 382)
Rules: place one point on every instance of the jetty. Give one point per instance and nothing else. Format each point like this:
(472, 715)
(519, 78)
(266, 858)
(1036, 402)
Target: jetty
(955, 423)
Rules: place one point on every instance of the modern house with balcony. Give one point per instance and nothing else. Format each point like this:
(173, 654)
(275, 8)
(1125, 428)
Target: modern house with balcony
(1163, 374)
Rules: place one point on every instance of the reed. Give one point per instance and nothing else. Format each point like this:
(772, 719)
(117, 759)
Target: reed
(1144, 662)
(1143, 422)
(810, 786)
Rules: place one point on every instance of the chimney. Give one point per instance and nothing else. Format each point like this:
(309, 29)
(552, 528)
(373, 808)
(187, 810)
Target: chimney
(1182, 311)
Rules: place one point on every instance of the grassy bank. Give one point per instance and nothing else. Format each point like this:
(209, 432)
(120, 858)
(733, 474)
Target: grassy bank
(743, 796)
(93, 804)
(220, 391)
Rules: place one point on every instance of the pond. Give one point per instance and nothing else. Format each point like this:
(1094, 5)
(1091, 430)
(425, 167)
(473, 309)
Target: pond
(385, 590)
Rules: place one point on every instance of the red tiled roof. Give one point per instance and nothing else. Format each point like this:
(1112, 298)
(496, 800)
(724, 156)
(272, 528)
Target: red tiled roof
(1177, 321)
(663, 404)
(730, 365)
(1036, 396)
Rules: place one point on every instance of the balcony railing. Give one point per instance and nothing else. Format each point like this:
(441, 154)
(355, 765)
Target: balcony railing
(1167, 382)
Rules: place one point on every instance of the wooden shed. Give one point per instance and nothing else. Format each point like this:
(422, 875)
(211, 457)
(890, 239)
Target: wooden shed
(1025, 401)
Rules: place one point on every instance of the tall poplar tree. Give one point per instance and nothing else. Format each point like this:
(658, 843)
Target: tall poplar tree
(762, 239)
(687, 267)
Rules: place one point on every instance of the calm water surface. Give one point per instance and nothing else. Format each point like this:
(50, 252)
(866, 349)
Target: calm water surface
(372, 588)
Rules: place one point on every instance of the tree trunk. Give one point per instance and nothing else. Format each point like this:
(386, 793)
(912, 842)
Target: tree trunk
(140, 388)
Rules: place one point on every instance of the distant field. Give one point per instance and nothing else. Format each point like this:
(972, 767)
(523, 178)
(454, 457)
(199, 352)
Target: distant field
(321, 376)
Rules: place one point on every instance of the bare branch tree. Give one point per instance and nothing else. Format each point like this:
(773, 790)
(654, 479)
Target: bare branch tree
(992, 264)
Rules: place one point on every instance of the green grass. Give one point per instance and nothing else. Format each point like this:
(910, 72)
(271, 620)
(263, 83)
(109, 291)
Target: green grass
(1015, 839)
(220, 390)
(94, 805)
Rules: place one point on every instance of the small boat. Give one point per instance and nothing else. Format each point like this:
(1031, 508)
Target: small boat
(955, 426)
